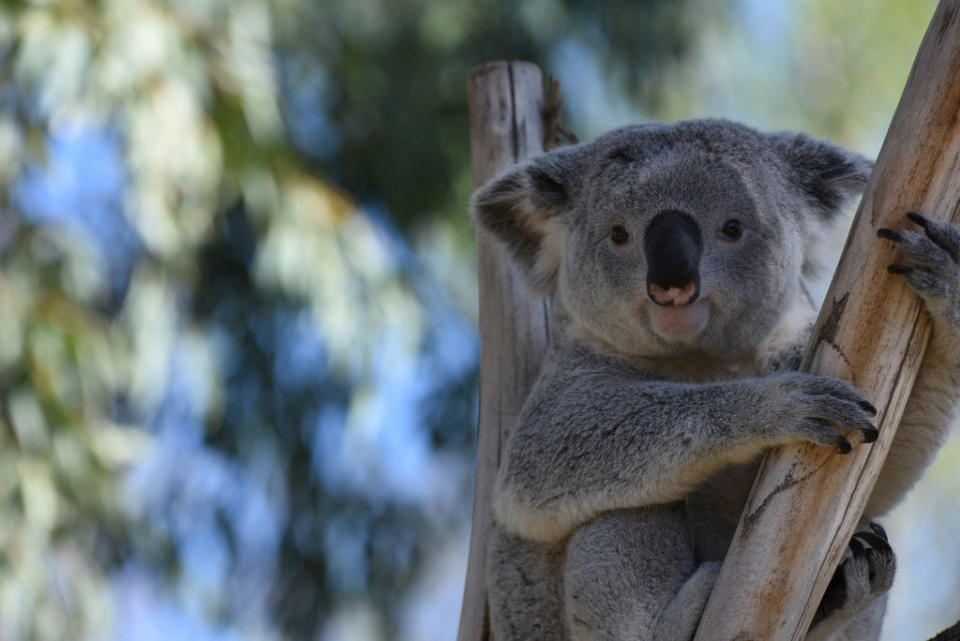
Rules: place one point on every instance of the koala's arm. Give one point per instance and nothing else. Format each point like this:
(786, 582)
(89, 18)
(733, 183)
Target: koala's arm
(933, 270)
(593, 439)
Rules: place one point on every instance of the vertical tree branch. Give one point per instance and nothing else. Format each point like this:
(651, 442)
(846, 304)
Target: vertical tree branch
(807, 500)
(506, 102)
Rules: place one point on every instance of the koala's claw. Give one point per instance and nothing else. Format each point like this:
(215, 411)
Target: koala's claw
(825, 407)
(879, 557)
(845, 447)
(876, 527)
(888, 234)
(828, 435)
(931, 267)
(866, 573)
(944, 235)
(871, 539)
(868, 407)
(933, 257)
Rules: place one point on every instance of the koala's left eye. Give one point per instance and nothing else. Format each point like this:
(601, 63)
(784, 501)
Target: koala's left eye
(619, 235)
(731, 229)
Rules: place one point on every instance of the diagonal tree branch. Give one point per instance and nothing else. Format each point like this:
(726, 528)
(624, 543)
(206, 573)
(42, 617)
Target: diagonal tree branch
(872, 331)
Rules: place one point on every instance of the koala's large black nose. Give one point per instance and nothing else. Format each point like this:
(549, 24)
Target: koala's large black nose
(672, 246)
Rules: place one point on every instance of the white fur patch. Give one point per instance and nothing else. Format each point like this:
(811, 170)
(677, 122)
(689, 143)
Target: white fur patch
(547, 263)
(795, 322)
(822, 242)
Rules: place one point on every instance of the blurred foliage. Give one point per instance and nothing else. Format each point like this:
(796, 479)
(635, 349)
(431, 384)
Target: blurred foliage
(836, 69)
(217, 370)
(395, 75)
(237, 356)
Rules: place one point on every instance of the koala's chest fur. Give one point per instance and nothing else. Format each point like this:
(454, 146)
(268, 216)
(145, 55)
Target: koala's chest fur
(713, 508)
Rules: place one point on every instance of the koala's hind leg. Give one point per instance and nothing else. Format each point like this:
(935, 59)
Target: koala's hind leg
(622, 570)
(523, 584)
(852, 608)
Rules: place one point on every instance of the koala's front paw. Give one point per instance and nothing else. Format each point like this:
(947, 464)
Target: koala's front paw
(817, 408)
(866, 573)
(932, 268)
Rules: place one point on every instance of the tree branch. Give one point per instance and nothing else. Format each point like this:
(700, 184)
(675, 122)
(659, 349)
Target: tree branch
(807, 500)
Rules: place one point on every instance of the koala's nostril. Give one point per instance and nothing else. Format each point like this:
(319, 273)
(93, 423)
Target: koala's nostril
(674, 295)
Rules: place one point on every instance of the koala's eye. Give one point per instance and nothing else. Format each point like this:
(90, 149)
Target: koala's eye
(619, 235)
(731, 229)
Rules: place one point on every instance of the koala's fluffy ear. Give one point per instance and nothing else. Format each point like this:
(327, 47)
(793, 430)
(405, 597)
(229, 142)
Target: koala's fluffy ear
(827, 177)
(522, 208)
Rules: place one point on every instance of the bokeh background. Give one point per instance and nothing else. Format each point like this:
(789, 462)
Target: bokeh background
(238, 355)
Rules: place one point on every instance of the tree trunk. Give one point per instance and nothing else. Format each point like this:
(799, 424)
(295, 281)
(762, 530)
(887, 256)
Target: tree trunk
(506, 126)
(807, 499)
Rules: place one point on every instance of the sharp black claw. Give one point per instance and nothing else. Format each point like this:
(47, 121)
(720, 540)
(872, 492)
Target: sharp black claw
(857, 547)
(868, 407)
(876, 527)
(875, 541)
(917, 218)
(898, 269)
(844, 445)
(869, 436)
(889, 234)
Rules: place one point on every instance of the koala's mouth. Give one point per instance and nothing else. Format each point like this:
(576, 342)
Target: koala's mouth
(680, 323)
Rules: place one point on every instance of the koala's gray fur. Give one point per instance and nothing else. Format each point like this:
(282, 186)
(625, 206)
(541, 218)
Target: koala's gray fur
(624, 478)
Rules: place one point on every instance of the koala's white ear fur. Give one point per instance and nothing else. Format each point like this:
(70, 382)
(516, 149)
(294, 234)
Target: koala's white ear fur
(521, 208)
(827, 177)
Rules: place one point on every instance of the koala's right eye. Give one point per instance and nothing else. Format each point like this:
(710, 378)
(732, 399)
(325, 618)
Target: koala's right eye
(731, 229)
(619, 235)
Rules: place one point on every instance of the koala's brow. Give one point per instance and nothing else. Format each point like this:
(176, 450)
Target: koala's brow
(621, 154)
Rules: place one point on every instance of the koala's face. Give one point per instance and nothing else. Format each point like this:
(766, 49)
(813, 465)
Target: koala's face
(668, 239)
(677, 254)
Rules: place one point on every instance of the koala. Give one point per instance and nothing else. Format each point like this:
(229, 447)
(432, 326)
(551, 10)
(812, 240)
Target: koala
(674, 257)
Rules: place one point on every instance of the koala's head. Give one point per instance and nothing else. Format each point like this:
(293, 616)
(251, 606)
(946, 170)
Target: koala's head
(660, 239)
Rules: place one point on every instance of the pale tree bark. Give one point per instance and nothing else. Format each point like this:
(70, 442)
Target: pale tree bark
(506, 126)
(807, 500)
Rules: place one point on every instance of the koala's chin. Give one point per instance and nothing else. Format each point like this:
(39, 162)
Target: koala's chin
(680, 324)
